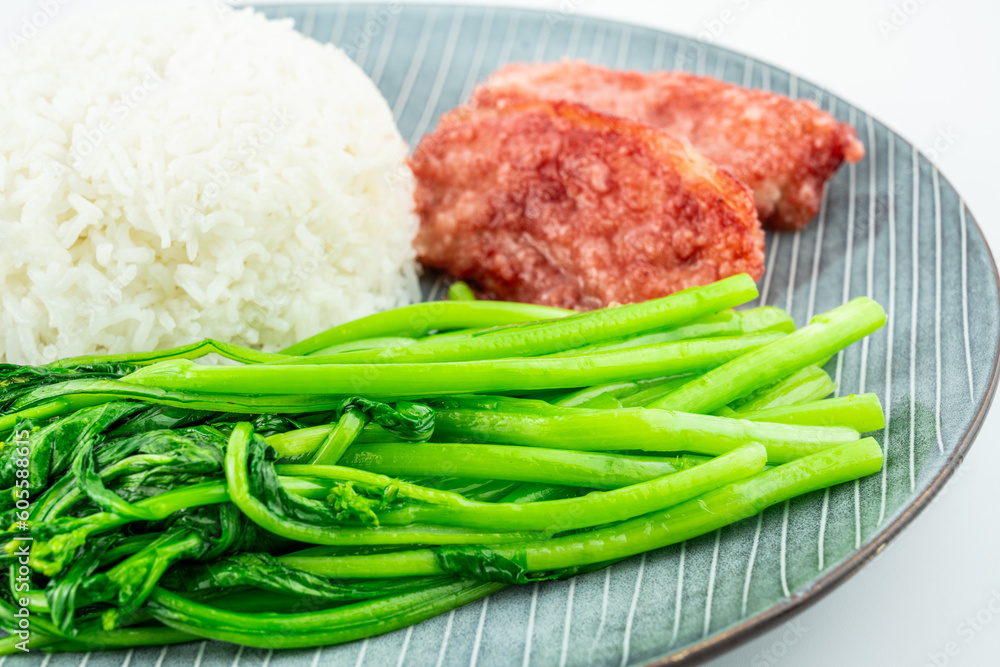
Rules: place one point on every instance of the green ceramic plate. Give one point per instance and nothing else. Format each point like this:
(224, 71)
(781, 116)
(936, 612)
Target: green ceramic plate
(891, 227)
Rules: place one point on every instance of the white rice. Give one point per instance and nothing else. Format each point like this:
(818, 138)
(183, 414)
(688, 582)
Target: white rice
(193, 173)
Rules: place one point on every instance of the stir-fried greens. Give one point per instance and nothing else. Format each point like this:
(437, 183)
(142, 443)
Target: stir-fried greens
(396, 467)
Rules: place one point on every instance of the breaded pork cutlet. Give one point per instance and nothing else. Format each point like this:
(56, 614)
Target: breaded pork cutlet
(557, 204)
(784, 149)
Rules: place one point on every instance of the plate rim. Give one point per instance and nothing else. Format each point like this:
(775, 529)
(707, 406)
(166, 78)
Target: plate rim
(759, 623)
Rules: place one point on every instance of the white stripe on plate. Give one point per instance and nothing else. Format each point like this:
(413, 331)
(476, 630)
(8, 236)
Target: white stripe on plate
(790, 296)
(598, 45)
(442, 74)
(890, 335)
(564, 651)
(784, 549)
(711, 583)
(361, 654)
(163, 654)
(236, 660)
(658, 50)
(824, 512)
(340, 22)
(937, 304)
(477, 59)
(811, 308)
(477, 642)
(405, 647)
(869, 292)
(631, 610)
(750, 562)
(366, 48)
(680, 593)
(531, 626)
(915, 255)
(418, 59)
(574, 37)
(383, 52)
(623, 47)
(604, 613)
(309, 22)
(201, 654)
(508, 40)
(769, 269)
(315, 660)
(720, 65)
(965, 298)
(447, 636)
(543, 41)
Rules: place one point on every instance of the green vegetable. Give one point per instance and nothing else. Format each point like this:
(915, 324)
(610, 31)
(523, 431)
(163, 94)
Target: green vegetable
(183, 377)
(526, 464)
(292, 501)
(714, 509)
(726, 323)
(825, 335)
(538, 424)
(546, 337)
(591, 510)
(809, 384)
(861, 412)
(422, 318)
(460, 291)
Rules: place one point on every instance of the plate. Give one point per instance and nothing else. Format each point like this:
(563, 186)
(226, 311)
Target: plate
(891, 227)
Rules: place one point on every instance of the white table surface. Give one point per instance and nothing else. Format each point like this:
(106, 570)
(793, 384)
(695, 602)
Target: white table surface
(928, 69)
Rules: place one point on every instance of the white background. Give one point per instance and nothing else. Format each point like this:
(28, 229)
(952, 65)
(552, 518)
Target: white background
(927, 68)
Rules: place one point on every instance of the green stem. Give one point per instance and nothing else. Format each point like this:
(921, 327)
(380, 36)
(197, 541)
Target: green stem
(725, 323)
(861, 412)
(825, 335)
(431, 379)
(538, 424)
(594, 509)
(192, 351)
(460, 291)
(422, 318)
(809, 384)
(523, 464)
(366, 344)
(698, 516)
(340, 438)
(537, 339)
(332, 626)
(238, 485)
(96, 640)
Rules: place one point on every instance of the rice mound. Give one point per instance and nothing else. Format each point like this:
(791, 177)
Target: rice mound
(171, 174)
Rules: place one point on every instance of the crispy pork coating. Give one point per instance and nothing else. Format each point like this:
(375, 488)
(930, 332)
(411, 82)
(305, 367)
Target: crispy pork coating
(784, 149)
(556, 204)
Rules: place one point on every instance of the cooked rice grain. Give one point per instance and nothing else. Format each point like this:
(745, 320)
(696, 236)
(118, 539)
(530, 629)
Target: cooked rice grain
(172, 174)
